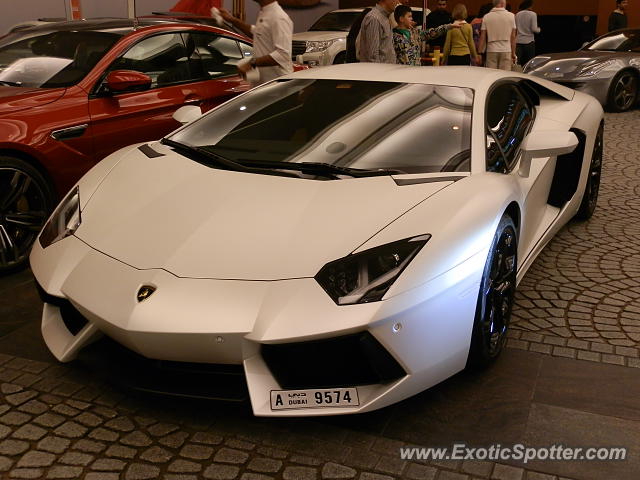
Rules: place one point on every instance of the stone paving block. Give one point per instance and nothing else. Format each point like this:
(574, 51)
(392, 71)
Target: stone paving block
(35, 459)
(13, 447)
(156, 455)
(141, 471)
(5, 464)
(34, 407)
(76, 458)
(29, 432)
(196, 452)
(89, 446)
(64, 472)
(71, 430)
(184, 466)
(332, 471)
(300, 473)
(416, 471)
(507, 472)
(108, 465)
(264, 465)
(221, 472)
(26, 473)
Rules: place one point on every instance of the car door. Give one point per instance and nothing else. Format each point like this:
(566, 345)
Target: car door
(173, 62)
(510, 116)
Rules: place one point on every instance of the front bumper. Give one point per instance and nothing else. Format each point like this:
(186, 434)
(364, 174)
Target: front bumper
(418, 338)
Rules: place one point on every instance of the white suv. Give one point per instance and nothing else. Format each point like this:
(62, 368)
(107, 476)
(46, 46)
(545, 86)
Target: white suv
(326, 41)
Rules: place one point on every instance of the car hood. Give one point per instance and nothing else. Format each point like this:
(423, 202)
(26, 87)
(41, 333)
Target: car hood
(200, 222)
(571, 62)
(14, 99)
(319, 36)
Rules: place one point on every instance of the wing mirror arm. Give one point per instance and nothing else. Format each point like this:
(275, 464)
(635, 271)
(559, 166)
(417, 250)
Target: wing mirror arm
(544, 144)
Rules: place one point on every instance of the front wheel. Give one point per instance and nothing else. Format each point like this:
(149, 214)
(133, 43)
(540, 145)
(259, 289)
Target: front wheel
(26, 199)
(496, 296)
(590, 195)
(623, 92)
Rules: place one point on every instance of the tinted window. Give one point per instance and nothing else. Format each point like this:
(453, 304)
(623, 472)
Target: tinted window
(357, 124)
(509, 117)
(218, 55)
(57, 59)
(165, 58)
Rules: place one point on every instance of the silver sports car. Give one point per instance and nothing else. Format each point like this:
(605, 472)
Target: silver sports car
(607, 68)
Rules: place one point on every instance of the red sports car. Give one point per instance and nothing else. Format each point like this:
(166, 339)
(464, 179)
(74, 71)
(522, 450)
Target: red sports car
(73, 92)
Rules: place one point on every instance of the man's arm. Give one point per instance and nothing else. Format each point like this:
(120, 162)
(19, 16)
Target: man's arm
(483, 41)
(236, 22)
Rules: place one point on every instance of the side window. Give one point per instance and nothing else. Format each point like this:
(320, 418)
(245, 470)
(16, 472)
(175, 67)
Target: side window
(218, 55)
(247, 50)
(165, 58)
(509, 118)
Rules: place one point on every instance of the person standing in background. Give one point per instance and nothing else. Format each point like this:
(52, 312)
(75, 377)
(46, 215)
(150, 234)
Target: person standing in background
(407, 40)
(375, 40)
(459, 48)
(440, 16)
(526, 25)
(272, 39)
(498, 34)
(618, 18)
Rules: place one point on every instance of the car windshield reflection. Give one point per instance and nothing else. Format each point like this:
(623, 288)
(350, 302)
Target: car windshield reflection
(368, 125)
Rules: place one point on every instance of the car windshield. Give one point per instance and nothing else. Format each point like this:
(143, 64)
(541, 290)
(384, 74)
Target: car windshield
(335, 22)
(51, 59)
(368, 125)
(620, 41)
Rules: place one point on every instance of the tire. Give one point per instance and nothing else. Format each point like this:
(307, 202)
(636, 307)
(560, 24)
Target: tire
(26, 199)
(340, 58)
(590, 195)
(496, 296)
(623, 92)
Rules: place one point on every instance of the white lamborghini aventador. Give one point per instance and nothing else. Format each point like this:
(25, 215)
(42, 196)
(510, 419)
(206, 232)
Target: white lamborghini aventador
(347, 236)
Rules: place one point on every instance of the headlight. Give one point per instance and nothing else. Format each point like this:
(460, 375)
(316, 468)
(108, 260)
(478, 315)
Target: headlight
(535, 63)
(319, 46)
(591, 70)
(366, 276)
(64, 221)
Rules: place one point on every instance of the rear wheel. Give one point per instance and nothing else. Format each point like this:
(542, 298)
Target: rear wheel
(623, 92)
(26, 198)
(590, 195)
(496, 296)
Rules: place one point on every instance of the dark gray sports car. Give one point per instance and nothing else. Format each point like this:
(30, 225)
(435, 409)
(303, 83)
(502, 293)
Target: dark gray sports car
(607, 68)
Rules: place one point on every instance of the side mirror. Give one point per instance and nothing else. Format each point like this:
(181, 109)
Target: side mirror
(123, 80)
(543, 144)
(187, 113)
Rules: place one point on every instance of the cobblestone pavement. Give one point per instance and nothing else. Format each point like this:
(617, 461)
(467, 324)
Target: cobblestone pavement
(579, 300)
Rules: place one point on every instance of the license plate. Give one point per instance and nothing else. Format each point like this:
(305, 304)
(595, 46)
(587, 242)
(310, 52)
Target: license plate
(314, 398)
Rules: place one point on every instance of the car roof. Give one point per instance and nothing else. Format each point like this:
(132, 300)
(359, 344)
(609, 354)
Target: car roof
(122, 26)
(360, 9)
(470, 77)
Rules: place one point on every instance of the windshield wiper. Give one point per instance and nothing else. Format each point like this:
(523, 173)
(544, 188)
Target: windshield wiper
(207, 155)
(352, 172)
(10, 84)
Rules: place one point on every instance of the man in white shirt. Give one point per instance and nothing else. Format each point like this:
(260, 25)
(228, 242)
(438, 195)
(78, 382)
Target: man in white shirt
(272, 38)
(498, 34)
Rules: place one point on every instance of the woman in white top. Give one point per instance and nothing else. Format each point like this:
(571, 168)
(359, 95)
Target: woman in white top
(527, 25)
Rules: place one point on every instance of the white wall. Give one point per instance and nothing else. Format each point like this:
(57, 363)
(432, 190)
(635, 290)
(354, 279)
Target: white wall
(15, 11)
